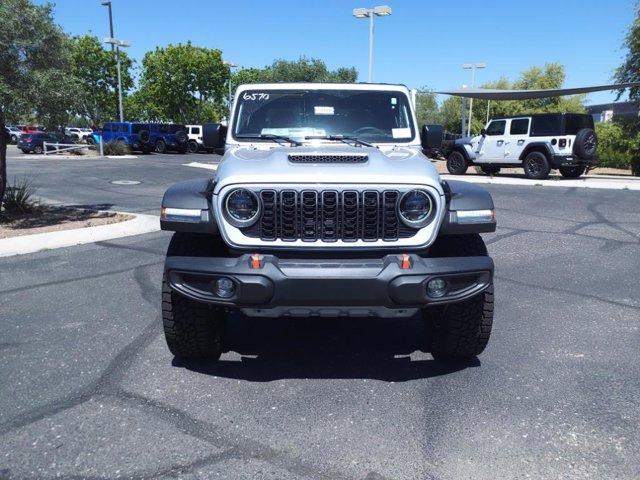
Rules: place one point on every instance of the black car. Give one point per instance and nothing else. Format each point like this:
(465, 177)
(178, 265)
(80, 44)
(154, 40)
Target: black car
(34, 142)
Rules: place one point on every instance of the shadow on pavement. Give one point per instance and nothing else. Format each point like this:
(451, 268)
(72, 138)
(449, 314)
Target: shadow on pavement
(374, 348)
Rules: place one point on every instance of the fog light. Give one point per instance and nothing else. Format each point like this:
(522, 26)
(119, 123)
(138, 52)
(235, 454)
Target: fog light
(224, 287)
(437, 287)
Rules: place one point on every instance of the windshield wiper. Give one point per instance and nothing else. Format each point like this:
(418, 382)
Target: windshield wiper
(273, 137)
(341, 138)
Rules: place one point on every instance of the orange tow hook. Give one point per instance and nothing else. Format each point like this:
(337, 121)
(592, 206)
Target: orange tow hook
(405, 263)
(256, 261)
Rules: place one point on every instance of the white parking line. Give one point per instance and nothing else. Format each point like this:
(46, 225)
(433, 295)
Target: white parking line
(206, 166)
(590, 182)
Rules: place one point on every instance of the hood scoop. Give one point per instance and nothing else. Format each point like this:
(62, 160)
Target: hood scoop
(324, 158)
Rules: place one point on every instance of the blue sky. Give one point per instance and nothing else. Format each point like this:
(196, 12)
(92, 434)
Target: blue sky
(423, 43)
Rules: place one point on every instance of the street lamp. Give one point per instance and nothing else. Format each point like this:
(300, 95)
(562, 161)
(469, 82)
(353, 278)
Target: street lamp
(472, 67)
(231, 65)
(118, 43)
(380, 11)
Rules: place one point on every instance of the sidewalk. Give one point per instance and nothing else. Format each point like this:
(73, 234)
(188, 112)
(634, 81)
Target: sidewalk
(515, 176)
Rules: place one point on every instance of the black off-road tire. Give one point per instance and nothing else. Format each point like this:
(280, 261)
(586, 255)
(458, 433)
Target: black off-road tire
(572, 172)
(457, 164)
(14, 139)
(536, 165)
(459, 330)
(585, 144)
(490, 169)
(38, 149)
(192, 146)
(160, 146)
(193, 330)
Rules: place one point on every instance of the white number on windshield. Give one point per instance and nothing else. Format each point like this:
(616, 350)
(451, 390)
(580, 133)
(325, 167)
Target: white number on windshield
(255, 96)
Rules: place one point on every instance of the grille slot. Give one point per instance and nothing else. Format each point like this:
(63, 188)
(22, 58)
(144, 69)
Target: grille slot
(298, 158)
(329, 216)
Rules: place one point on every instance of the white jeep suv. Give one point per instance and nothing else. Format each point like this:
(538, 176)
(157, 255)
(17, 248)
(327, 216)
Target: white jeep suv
(537, 143)
(195, 138)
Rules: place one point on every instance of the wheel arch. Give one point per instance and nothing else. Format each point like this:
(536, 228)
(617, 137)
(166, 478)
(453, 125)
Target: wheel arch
(542, 147)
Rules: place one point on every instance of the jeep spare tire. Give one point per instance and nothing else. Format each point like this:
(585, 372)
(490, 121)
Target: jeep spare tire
(457, 164)
(181, 136)
(585, 144)
(144, 136)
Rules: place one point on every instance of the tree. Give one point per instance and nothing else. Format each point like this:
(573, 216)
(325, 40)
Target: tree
(426, 107)
(552, 75)
(35, 69)
(96, 70)
(183, 83)
(302, 70)
(629, 71)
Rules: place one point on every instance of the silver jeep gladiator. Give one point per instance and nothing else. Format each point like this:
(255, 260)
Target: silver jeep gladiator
(324, 205)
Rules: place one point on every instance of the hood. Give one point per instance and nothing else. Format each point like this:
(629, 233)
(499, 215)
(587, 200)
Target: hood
(400, 165)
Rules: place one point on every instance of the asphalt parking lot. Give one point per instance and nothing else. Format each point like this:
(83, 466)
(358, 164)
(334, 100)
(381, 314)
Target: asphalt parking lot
(91, 391)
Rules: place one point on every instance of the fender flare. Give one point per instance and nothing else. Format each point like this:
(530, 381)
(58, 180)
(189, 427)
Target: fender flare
(465, 149)
(190, 195)
(465, 196)
(537, 146)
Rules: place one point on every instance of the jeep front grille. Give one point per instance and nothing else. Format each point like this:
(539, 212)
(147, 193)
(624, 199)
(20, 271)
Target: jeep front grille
(328, 216)
(310, 158)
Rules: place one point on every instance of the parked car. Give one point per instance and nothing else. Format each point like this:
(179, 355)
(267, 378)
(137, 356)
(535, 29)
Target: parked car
(135, 135)
(168, 136)
(78, 133)
(13, 132)
(34, 142)
(537, 143)
(195, 138)
(324, 205)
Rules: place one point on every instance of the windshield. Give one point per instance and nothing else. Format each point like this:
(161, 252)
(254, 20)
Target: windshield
(372, 116)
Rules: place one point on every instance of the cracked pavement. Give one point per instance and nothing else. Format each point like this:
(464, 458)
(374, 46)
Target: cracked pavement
(89, 389)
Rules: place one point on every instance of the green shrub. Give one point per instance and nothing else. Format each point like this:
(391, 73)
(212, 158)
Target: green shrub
(116, 148)
(615, 146)
(19, 197)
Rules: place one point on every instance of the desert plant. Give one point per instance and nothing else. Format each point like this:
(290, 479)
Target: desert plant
(19, 197)
(116, 148)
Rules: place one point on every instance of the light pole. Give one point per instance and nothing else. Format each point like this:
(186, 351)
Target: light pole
(108, 5)
(473, 67)
(380, 11)
(231, 65)
(118, 43)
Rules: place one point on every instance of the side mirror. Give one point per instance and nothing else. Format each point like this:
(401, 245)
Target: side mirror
(483, 132)
(214, 135)
(431, 136)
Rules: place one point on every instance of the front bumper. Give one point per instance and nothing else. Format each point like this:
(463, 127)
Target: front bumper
(336, 283)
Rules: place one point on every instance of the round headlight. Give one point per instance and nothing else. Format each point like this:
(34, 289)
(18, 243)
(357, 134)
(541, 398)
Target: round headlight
(243, 207)
(415, 208)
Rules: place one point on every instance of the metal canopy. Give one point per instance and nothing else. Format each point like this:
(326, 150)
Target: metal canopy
(495, 94)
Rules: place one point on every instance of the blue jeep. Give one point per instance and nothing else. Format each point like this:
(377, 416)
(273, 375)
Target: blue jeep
(136, 135)
(168, 136)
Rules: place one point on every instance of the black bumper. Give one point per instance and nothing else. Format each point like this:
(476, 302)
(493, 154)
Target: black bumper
(283, 282)
(573, 160)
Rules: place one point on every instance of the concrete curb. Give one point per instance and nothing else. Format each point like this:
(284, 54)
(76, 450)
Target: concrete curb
(78, 236)
(616, 183)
